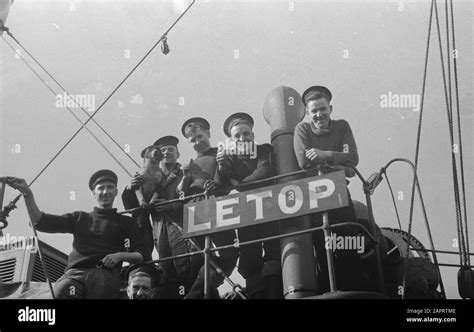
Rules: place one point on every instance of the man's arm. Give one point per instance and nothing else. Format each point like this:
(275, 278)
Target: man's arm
(22, 186)
(264, 168)
(136, 252)
(112, 260)
(223, 173)
(309, 157)
(349, 154)
(302, 143)
(43, 222)
(129, 198)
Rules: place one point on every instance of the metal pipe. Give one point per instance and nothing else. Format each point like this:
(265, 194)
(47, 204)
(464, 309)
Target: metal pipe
(2, 194)
(207, 254)
(373, 231)
(440, 251)
(378, 259)
(425, 215)
(282, 236)
(283, 110)
(329, 253)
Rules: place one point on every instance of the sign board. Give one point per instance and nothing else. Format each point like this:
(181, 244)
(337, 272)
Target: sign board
(257, 206)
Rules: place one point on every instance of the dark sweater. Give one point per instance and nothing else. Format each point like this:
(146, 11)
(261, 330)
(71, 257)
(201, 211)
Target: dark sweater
(96, 234)
(337, 138)
(245, 169)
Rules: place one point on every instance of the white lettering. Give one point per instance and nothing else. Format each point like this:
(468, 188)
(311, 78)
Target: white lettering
(315, 193)
(258, 198)
(282, 202)
(37, 315)
(221, 212)
(192, 227)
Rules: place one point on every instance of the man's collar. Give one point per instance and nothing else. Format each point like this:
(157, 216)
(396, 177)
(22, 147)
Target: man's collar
(174, 170)
(99, 210)
(321, 132)
(209, 152)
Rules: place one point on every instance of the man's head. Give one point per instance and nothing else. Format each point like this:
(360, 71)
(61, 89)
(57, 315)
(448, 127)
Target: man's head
(140, 286)
(103, 184)
(239, 127)
(317, 103)
(168, 146)
(196, 131)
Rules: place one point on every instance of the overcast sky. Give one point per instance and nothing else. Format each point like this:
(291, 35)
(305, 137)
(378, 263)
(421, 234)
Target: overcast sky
(226, 57)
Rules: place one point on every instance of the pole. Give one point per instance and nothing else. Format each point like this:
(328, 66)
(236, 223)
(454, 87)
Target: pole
(207, 254)
(2, 194)
(329, 253)
(282, 110)
(378, 260)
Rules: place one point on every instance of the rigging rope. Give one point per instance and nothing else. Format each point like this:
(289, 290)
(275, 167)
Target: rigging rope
(70, 111)
(457, 198)
(111, 94)
(455, 67)
(69, 95)
(417, 149)
(393, 200)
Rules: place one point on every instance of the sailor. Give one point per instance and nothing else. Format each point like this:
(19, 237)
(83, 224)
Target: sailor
(199, 176)
(168, 221)
(102, 240)
(242, 163)
(141, 286)
(330, 145)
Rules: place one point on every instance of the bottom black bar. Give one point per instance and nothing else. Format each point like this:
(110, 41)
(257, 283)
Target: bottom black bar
(416, 315)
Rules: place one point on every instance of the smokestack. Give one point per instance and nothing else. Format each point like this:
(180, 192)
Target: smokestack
(283, 110)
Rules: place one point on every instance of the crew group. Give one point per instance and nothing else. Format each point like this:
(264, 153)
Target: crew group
(104, 239)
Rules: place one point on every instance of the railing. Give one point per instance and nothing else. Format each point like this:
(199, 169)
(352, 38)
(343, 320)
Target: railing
(207, 250)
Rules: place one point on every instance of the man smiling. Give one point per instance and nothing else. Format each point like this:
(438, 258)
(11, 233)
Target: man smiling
(199, 176)
(329, 145)
(103, 240)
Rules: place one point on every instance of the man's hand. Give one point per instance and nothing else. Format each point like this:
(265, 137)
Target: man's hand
(3, 222)
(318, 155)
(137, 181)
(209, 185)
(222, 156)
(112, 260)
(187, 169)
(20, 185)
(155, 203)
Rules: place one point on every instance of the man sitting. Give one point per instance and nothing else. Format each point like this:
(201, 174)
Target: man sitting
(103, 240)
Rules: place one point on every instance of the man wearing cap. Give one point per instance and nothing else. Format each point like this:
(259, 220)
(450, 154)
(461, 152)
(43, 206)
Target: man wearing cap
(329, 145)
(199, 176)
(242, 167)
(102, 240)
(168, 221)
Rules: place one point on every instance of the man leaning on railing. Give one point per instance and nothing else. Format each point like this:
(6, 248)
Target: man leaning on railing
(330, 145)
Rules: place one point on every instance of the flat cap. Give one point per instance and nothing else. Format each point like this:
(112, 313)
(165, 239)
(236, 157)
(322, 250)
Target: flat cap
(195, 122)
(321, 89)
(166, 141)
(235, 119)
(100, 176)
